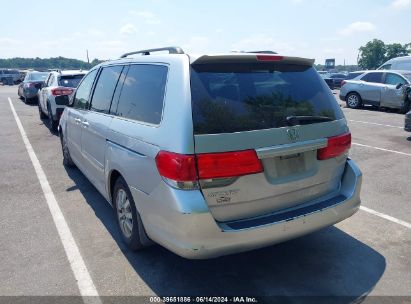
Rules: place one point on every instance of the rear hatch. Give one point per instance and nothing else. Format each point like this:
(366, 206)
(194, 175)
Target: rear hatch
(270, 111)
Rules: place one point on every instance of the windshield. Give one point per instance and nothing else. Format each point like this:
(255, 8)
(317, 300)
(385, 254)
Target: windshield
(234, 98)
(38, 76)
(71, 81)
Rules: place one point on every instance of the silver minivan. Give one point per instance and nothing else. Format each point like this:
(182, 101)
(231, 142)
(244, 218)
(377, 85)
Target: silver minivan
(209, 155)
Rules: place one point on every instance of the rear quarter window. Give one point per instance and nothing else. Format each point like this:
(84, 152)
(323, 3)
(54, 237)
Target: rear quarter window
(374, 77)
(230, 98)
(142, 95)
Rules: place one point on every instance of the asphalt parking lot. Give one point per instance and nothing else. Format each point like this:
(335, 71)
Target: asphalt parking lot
(365, 255)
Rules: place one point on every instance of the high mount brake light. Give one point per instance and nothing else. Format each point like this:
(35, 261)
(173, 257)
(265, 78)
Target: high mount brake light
(336, 146)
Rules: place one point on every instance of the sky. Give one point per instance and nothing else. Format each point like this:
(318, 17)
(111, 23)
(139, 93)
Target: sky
(316, 29)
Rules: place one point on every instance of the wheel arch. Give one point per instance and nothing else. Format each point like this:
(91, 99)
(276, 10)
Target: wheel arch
(352, 92)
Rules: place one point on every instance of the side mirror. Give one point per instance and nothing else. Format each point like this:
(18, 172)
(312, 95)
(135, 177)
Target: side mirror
(398, 86)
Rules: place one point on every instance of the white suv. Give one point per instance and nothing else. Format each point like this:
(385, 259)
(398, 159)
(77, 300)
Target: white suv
(54, 95)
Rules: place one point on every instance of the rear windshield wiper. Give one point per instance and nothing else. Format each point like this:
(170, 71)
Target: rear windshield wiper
(305, 120)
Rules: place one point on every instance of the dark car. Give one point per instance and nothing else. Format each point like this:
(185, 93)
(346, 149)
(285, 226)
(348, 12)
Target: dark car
(329, 81)
(407, 125)
(337, 79)
(32, 83)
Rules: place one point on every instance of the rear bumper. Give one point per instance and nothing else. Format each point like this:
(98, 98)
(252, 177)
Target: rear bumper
(30, 92)
(190, 231)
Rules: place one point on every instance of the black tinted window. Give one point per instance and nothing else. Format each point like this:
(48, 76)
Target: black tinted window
(104, 91)
(373, 77)
(81, 100)
(70, 81)
(232, 98)
(143, 93)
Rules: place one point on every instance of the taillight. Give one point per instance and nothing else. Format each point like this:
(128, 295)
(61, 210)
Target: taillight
(343, 83)
(184, 171)
(61, 91)
(228, 164)
(336, 146)
(178, 167)
(269, 57)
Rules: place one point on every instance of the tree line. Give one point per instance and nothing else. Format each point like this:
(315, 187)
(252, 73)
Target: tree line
(47, 63)
(376, 52)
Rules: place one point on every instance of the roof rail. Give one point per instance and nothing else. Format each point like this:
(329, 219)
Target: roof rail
(171, 50)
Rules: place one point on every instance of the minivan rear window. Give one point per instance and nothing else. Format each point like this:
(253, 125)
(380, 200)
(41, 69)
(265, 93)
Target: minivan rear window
(230, 97)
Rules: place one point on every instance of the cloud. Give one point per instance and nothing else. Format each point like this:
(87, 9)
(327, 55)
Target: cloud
(263, 42)
(95, 32)
(357, 27)
(197, 44)
(128, 29)
(400, 4)
(148, 17)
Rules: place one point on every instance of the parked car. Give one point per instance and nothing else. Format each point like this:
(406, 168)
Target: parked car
(213, 154)
(407, 124)
(399, 63)
(32, 83)
(378, 88)
(328, 80)
(353, 75)
(337, 79)
(9, 76)
(54, 96)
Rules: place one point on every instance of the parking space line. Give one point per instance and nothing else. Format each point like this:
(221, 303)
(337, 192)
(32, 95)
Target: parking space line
(387, 217)
(374, 123)
(382, 149)
(85, 284)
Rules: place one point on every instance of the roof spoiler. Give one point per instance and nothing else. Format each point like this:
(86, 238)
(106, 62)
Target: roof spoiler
(252, 58)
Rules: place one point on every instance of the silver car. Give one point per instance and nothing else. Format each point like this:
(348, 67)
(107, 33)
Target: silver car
(377, 88)
(54, 94)
(214, 154)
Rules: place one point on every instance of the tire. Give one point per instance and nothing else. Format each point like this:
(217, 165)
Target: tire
(128, 219)
(67, 161)
(41, 113)
(52, 124)
(406, 107)
(353, 101)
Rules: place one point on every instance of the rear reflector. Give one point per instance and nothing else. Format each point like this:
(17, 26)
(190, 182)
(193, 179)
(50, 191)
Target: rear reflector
(61, 91)
(191, 168)
(269, 57)
(228, 164)
(336, 146)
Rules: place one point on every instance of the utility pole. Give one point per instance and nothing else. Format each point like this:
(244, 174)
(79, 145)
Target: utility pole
(88, 60)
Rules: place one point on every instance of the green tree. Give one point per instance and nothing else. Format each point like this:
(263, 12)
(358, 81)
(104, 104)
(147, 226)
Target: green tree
(372, 55)
(395, 50)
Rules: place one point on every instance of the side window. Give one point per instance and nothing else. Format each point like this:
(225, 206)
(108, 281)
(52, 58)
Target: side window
(81, 99)
(394, 79)
(386, 67)
(104, 90)
(142, 95)
(374, 77)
